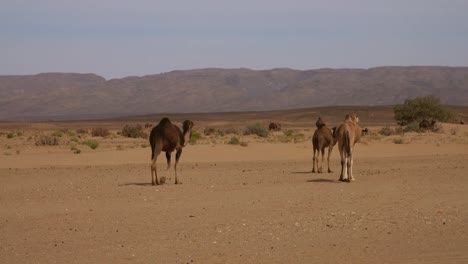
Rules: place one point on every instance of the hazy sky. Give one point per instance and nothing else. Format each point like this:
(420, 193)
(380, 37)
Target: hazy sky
(115, 38)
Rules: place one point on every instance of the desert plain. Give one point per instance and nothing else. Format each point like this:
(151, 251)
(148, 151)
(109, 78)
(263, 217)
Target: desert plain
(255, 203)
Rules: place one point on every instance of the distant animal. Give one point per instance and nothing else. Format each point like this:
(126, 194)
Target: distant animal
(319, 123)
(274, 126)
(365, 131)
(347, 134)
(168, 137)
(323, 137)
(425, 124)
(148, 125)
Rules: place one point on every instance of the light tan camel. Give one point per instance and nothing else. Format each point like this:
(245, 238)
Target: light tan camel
(168, 137)
(347, 134)
(323, 137)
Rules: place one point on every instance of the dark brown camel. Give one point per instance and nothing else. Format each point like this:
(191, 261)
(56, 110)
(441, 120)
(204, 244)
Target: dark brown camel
(347, 134)
(323, 137)
(168, 137)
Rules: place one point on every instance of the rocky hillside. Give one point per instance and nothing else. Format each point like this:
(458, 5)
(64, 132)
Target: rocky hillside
(81, 96)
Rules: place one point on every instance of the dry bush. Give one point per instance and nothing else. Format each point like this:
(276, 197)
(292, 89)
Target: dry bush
(134, 131)
(99, 132)
(209, 131)
(81, 131)
(230, 130)
(47, 140)
(256, 129)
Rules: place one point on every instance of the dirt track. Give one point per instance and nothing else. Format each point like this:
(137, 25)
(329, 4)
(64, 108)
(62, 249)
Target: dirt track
(259, 204)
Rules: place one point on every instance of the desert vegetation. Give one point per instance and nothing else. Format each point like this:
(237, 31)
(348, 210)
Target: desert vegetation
(420, 108)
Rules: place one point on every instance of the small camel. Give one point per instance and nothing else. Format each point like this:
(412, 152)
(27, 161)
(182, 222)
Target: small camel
(347, 134)
(168, 137)
(323, 137)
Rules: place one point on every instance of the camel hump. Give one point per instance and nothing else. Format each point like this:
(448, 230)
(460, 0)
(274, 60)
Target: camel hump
(165, 121)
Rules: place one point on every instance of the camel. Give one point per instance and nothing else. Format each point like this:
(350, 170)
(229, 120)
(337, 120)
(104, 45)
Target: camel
(347, 134)
(168, 137)
(323, 137)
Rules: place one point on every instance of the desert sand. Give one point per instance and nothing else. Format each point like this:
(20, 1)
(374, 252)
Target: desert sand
(255, 204)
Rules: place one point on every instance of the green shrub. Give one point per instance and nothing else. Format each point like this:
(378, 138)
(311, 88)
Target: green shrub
(234, 141)
(93, 144)
(194, 137)
(99, 132)
(419, 108)
(256, 129)
(134, 131)
(10, 135)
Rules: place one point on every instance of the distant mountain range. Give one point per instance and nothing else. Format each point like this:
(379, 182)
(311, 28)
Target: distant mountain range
(59, 96)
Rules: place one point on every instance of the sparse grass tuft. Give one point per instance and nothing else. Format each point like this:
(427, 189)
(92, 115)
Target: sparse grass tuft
(194, 137)
(386, 131)
(57, 134)
(398, 141)
(244, 144)
(234, 141)
(75, 150)
(10, 135)
(93, 144)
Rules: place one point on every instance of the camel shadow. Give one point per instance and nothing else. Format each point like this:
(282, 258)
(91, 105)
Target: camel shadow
(323, 180)
(137, 184)
(301, 172)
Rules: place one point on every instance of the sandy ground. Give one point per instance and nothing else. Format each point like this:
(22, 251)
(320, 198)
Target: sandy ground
(254, 204)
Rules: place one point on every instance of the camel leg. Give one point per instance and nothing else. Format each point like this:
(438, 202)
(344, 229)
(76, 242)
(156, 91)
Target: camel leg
(343, 175)
(350, 167)
(178, 153)
(314, 160)
(154, 168)
(330, 148)
(168, 158)
(322, 150)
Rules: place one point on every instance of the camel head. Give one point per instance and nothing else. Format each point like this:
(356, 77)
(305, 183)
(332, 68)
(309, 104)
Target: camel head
(187, 130)
(352, 117)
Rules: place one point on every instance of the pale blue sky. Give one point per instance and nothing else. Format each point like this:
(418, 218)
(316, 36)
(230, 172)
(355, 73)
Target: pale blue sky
(122, 38)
